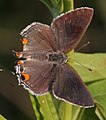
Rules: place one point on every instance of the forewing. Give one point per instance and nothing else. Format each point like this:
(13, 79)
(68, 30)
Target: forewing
(40, 77)
(40, 38)
(70, 27)
(69, 87)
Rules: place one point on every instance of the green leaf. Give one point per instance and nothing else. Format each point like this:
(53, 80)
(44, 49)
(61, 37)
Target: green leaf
(89, 114)
(98, 90)
(2, 118)
(47, 107)
(65, 111)
(77, 113)
(96, 62)
(35, 108)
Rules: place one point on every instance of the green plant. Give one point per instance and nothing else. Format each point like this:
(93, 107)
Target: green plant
(48, 108)
(1, 117)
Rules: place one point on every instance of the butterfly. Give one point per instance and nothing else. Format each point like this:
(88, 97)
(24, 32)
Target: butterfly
(42, 66)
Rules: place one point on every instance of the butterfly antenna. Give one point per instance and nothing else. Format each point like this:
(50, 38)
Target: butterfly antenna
(76, 52)
(81, 47)
(82, 65)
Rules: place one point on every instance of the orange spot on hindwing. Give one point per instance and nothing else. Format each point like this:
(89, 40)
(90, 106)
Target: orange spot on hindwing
(18, 54)
(20, 62)
(25, 76)
(24, 41)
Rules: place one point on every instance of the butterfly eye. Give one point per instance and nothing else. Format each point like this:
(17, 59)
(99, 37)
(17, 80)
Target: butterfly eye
(25, 76)
(24, 41)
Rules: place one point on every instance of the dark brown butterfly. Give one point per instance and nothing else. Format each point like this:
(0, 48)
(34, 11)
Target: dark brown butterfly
(44, 67)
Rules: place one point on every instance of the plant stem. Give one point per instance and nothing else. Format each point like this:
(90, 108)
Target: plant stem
(68, 5)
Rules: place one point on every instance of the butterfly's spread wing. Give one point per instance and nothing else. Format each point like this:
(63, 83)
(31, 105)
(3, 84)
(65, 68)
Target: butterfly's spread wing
(69, 87)
(70, 27)
(39, 38)
(35, 77)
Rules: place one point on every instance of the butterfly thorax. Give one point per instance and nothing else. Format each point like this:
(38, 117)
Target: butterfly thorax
(51, 57)
(57, 57)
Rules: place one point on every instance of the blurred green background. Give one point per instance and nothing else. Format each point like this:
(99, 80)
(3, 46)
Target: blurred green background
(16, 15)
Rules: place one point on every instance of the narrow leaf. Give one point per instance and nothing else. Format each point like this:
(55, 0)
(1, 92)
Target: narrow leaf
(34, 105)
(47, 107)
(99, 114)
(65, 111)
(2, 118)
(76, 112)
